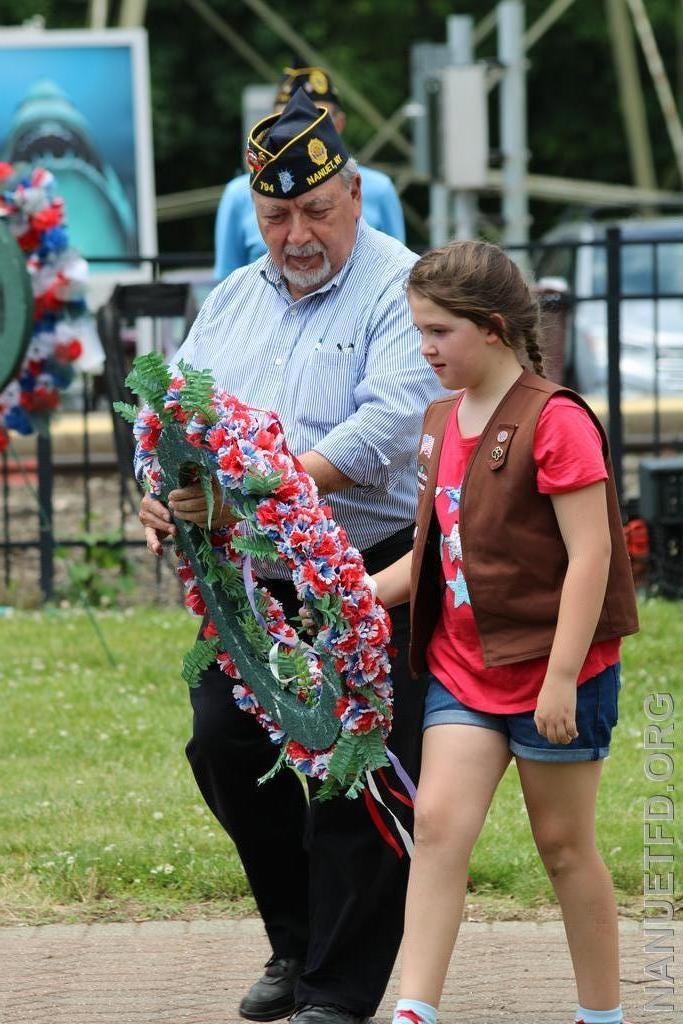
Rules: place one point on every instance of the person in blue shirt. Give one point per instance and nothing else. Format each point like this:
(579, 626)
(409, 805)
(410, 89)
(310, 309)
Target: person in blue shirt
(237, 237)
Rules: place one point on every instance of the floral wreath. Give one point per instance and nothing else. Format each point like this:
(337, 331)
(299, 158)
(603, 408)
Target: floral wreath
(279, 517)
(34, 214)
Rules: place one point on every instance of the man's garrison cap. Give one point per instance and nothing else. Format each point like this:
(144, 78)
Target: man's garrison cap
(315, 82)
(294, 151)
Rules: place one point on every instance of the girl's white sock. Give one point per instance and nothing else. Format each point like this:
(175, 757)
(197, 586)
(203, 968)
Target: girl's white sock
(614, 1016)
(412, 1011)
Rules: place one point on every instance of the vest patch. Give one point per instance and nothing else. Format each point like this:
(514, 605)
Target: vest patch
(427, 446)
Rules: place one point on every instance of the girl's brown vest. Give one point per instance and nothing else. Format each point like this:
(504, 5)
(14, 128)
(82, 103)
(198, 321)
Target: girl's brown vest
(514, 559)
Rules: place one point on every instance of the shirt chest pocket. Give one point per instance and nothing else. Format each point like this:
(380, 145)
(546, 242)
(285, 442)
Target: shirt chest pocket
(326, 396)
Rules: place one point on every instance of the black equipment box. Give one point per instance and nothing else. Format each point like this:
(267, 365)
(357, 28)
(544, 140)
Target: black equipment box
(661, 506)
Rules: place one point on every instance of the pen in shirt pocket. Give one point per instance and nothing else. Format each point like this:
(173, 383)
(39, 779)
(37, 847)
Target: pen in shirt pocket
(338, 345)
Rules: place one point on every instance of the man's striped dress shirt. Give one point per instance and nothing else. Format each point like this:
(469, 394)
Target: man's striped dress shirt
(341, 367)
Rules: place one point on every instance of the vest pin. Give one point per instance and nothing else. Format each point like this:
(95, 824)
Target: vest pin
(497, 453)
(502, 436)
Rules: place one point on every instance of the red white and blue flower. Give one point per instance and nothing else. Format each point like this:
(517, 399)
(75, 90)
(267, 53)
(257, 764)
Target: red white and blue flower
(34, 214)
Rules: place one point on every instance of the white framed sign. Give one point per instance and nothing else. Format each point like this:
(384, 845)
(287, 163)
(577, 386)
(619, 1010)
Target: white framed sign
(78, 103)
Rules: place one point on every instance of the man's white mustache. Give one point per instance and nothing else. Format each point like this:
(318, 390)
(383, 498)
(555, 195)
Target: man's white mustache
(310, 249)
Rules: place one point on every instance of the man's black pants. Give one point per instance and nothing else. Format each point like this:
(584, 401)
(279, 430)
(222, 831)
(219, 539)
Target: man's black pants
(330, 890)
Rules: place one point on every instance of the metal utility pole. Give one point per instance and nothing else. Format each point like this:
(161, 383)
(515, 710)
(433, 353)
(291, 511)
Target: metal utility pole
(426, 61)
(513, 133)
(631, 93)
(98, 11)
(439, 215)
(659, 78)
(133, 13)
(459, 34)
(439, 198)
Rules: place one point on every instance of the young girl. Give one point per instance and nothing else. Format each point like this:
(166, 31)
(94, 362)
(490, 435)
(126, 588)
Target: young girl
(521, 589)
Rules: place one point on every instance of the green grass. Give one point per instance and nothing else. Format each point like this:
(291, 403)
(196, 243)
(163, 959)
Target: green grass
(100, 817)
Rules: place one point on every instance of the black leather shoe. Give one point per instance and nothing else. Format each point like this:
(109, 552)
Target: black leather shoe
(326, 1014)
(272, 996)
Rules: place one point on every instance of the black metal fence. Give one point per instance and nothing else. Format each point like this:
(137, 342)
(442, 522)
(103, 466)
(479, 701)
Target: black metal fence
(623, 342)
(613, 326)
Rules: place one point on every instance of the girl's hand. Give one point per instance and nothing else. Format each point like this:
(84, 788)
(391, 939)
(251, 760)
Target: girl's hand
(555, 716)
(307, 620)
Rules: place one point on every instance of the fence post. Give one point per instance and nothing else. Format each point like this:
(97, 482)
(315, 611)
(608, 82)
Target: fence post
(616, 425)
(45, 489)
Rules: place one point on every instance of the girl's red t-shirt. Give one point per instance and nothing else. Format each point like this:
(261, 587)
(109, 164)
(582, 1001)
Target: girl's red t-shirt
(568, 455)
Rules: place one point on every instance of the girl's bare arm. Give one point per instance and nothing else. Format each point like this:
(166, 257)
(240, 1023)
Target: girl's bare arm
(393, 583)
(583, 522)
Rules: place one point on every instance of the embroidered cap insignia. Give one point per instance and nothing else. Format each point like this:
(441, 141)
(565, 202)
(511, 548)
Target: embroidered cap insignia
(255, 160)
(286, 179)
(318, 81)
(317, 150)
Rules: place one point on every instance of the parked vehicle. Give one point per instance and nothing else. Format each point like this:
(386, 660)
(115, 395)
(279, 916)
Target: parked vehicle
(651, 317)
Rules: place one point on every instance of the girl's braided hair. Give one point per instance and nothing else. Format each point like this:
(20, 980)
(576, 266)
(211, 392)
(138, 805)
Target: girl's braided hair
(476, 280)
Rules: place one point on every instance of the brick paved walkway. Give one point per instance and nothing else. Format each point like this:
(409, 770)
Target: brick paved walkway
(195, 973)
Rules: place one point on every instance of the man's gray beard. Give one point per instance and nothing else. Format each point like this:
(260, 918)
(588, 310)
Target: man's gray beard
(306, 278)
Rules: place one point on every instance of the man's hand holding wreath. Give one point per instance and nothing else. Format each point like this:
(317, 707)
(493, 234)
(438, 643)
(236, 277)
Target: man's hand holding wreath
(188, 503)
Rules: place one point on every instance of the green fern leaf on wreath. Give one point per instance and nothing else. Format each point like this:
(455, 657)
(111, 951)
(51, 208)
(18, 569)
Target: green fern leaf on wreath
(150, 379)
(354, 754)
(197, 392)
(232, 583)
(280, 763)
(257, 483)
(328, 608)
(257, 547)
(128, 411)
(256, 637)
(204, 550)
(197, 659)
(293, 669)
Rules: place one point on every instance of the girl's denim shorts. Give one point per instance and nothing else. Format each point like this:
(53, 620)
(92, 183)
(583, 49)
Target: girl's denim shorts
(596, 716)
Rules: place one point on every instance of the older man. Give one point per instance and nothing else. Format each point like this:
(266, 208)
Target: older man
(319, 330)
(237, 236)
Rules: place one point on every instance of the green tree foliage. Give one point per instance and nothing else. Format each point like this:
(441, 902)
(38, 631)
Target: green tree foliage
(575, 126)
